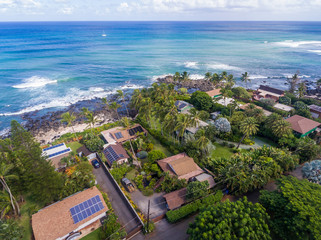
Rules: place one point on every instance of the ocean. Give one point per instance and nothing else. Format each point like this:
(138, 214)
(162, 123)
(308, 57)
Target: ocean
(46, 66)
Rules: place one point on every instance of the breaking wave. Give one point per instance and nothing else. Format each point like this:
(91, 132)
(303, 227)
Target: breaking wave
(222, 66)
(191, 65)
(34, 82)
(295, 44)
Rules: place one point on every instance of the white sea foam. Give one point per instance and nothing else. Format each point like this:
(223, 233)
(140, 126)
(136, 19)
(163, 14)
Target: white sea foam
(154, 78)
(196, 76)
(96, 89)
(315, 51)
(35, 82)
(288, 75)
(131, 86)
(191, 65)
(257, 77)
(222, 66)
(295, 44)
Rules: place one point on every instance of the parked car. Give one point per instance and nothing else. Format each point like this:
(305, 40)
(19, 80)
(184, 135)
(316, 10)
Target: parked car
(128, 185)
(95, 163)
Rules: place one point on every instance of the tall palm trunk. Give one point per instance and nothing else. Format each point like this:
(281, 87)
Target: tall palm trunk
(13, 201)
(240, 141)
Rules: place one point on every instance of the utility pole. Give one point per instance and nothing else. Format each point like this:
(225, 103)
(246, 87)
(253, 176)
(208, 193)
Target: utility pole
(148, 216)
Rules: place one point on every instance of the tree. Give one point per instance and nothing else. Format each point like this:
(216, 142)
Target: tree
(93, 143)
(245, 78)
(293, 82)
(299, 105)
(111, 229)
(114, 106)
(285, 100)
(281, 128)
(222, 125)
(183, 122)
(201, 100)
(126, 124)
(267, 101)
(10, 230)
(197, 190)
(241, 92)
(231, 220)
(185, 76)
(69, 119)
(91, 120)
(121, 96)
(248, 127)
(177, 77)
(4, 176)
(105, 103)
(155, 155)
(302, 89)
(172, 183)
(294, 209)
(226, 93)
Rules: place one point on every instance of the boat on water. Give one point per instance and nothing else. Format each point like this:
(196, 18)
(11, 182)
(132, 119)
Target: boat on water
(104, 34)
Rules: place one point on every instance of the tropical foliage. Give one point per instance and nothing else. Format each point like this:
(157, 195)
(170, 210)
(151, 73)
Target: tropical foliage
(196, 190)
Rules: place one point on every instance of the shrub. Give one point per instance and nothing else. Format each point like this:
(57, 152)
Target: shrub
(268, 101)
(93, 143)
(285, 100)
(231, 145)
(155, 155)
(222, 125)
(147, 192)
(224, 144)
(201, 100)
(149, 147)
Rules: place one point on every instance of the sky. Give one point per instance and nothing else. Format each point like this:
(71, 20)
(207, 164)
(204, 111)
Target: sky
(160, 10)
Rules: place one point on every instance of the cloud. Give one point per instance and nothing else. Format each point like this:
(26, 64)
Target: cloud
(124, 7)
(66, 10)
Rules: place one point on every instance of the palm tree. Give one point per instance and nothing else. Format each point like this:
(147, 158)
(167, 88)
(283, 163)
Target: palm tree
(114, 106)
(105, 103)
(121, 96)
(170, 121)
(245, 78)
(177, 77)
(5, 203)
(136, 99)
(4, 176)
(185, 76)
(293, 81)
(208, 76)
(184, 121)
(146, 109)
(126, 124)
(248, 127)
(69, 119)
(91, 120)
(233, 106)
(202, 141)
(302, 89)
(84, 111)
(281, 128)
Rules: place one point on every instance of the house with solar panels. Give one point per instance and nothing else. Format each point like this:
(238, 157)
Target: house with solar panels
(121, 135)
(182, 106)
(115, 153)
(71, 218)
(56, 153)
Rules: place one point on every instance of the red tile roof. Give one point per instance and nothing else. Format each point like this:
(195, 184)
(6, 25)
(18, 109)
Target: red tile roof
(214, 92)
(302, 124)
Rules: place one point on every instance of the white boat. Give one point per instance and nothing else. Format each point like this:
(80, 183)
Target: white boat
(104, 34)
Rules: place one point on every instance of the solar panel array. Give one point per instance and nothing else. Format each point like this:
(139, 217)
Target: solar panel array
(48, 148)
(86, 209)
(135, 130)
(58, 153)
(118, 135)
(111, 155)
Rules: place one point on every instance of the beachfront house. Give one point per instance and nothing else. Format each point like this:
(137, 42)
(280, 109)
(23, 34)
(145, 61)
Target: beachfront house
(302, 126)
(115, 153)
(71, 218)
(121, 135)
(183, 107)
(216, 93)
(283, 107)
(55, 153)
(180, 165)
(315, 111)
(268, 92)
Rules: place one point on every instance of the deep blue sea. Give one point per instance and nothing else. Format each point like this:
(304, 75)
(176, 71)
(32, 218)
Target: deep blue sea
(48, 65)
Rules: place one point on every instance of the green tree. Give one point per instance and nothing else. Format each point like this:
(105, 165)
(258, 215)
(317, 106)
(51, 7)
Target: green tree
(302, 89)
(93, 143)
(293, 82)
(155, 155)
(197, 190)
(69, 119)
(91, 120)
(294, 209)
(281, 128)
(127, 124)
(121, 96)
(172, 183)
(241, 92)
(111, 229)
(183, 122)
(10, 230)
(208, 76)
(201, 100)
(114, 106)
(231, 220)
(248, 127)
(285, 100)
(245, 78)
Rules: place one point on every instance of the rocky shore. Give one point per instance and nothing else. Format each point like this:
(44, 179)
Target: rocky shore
(199, 84)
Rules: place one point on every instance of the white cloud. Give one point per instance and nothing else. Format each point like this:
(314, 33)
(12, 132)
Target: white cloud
(124, 7)
(66, 10)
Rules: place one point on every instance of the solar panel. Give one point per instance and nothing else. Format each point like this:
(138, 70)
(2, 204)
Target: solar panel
(58, 153)
(48, 148)
(134, 130)
(86, 209)
(118, 135)
(111, 155)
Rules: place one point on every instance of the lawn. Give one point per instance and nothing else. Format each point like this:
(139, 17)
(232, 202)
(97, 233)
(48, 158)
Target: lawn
(220, 151)
(93, 235)
(131, 174)
(159, 146)
(262, 140)
(74, 146)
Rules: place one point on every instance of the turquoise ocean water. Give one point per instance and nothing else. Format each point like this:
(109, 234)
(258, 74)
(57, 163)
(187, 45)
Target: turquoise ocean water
(50, 65)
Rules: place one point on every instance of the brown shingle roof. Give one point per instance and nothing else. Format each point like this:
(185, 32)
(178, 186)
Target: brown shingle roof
(119, 150)
(214, 92)
(301, 124)
(175, 199)
(271, 89)
(125, 136)
(180, 165)
(84, 150)
(55, 220)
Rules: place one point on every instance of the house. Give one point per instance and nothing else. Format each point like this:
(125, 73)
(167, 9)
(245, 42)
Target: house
(199, 124)
(205, 177)
(121, 135)
(71, 218)
(175, 199)
(265, 112)
(283, 107)
(315, 111)
(214, 93)
(55, 153)
(302, 126)
(214, 115)
(115, 153)
(180, 165)
(183, 106)
(268, 92)
(84, 152)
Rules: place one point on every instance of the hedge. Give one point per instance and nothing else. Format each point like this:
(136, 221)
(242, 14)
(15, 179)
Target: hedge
(180, 213)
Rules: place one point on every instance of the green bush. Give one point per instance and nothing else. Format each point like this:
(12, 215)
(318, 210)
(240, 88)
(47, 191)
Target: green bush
(147, 192)
(231, 145)
(191, 208)
(155, 155)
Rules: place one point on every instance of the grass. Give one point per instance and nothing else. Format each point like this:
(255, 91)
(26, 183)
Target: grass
(159, 146)
(223, 152)
(74, 146)
(131, 174)
(93, 235)
(266, 140)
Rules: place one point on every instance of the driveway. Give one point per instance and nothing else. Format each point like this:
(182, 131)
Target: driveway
(164, 230)
(120, 206)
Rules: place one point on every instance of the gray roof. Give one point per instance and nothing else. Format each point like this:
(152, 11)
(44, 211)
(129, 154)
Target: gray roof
(182, 104)
(315, 108)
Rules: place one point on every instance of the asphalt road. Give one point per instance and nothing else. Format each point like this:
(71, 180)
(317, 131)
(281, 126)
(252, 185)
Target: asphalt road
(164, 230)
(120, 207)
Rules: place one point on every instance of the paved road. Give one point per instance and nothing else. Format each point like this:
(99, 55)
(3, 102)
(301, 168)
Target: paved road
(120, 207)
(165, 230)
